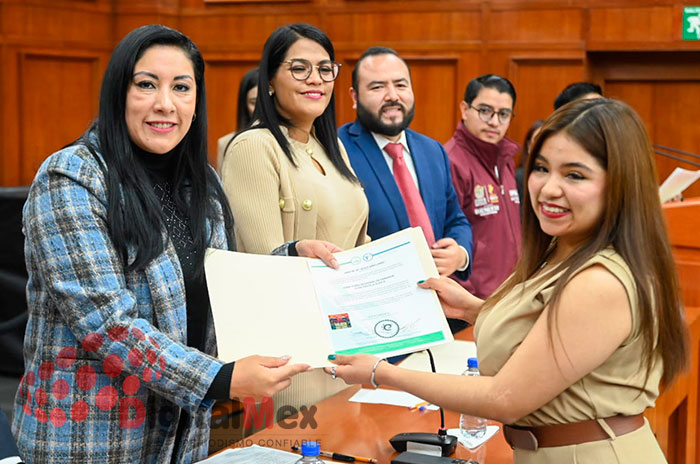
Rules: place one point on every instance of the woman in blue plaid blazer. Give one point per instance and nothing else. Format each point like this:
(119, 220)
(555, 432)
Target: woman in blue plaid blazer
(112, 374)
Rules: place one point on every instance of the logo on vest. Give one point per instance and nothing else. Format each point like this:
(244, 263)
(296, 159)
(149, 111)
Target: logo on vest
(486, 204)
(514, 197)
(479, 196)
(493, 196)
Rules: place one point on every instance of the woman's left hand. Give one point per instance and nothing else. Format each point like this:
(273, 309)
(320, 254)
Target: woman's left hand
(354, 369)
(319, 249)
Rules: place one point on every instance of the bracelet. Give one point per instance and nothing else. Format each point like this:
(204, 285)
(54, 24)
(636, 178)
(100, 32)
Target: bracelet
(374, 371)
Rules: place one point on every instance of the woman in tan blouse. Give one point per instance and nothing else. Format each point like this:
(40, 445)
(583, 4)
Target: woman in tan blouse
(288, 178)
(573, 346)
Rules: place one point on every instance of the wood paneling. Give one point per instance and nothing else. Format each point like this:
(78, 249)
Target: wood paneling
(57, 93)
(434, 87)
(222, 80)
(538, 80)
(227, 32)
(366, 29)
(637, 26)
(64, 25)
(550, 26)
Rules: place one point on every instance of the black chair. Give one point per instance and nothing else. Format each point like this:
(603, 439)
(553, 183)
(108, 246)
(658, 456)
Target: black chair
(13, 301)
(8, 447)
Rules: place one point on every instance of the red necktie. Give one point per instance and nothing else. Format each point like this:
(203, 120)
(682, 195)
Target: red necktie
(417, 214)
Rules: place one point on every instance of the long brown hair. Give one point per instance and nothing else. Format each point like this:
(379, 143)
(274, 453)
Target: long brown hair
(632, 223)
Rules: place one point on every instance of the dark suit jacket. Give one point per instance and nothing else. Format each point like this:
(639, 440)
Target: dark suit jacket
(387, 212)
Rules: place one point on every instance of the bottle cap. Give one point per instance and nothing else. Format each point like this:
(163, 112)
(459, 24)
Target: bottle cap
(310, 448)
(472, 362)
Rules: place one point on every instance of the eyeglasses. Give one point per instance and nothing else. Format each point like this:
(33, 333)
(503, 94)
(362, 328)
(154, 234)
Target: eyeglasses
(302, 69)
(486, 113)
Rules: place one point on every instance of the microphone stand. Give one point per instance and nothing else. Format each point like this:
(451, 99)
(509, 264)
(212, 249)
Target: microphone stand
(661, 150)
(446, 443)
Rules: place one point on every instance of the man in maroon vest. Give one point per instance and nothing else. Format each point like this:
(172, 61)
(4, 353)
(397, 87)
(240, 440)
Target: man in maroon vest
(481, 159)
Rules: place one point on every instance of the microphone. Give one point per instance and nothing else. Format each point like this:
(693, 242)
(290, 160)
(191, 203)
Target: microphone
(418, 440)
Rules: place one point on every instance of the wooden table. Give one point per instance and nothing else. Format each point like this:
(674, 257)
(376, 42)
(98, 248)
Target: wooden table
(364, 429)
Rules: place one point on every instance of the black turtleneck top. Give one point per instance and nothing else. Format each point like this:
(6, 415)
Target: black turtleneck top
(160, 169)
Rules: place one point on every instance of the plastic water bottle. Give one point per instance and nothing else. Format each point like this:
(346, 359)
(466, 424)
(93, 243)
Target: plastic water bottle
(309, 453)
(472, 427)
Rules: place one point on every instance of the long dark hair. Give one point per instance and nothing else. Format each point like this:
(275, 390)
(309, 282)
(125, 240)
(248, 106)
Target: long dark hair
(633, 224)
(273, 55)
(133, 211)
(249, 81)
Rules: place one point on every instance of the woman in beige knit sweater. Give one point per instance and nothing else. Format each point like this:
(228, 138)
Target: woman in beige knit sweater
(288, 177)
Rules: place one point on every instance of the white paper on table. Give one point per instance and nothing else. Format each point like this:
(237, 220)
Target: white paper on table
(472, 443)
(450, 358)
(679, 180)
(390, 397)
(253, 454)
(268, 305)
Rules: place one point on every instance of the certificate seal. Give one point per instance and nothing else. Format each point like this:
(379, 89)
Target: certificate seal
(386, 328)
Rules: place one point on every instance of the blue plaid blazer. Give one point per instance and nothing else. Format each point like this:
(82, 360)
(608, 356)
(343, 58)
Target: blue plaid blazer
(107, 369)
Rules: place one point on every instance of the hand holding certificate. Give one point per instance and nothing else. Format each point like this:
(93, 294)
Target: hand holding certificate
(300, 307)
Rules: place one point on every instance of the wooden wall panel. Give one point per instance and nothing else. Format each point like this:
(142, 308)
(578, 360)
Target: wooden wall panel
(222, 79)
(66, 104)
(434, 88)
(366, 29)
(538, 80)
(343, 102)
(638, 27)
(63, 25)
(41, 111)
(218, 33)
(550, 26)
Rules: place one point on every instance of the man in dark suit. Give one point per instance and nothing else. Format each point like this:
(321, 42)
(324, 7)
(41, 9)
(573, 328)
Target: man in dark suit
(406, 175)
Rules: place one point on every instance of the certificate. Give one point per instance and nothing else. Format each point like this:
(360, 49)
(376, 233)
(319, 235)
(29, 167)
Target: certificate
(272, 305)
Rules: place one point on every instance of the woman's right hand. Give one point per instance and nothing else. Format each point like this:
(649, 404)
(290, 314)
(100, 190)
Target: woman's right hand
(457, 303)
(262, 376)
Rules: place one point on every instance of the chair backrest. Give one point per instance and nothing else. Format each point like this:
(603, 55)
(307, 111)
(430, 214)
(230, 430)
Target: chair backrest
(13, 279)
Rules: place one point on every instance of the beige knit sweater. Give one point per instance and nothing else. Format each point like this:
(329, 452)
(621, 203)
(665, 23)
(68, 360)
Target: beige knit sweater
(273, 202)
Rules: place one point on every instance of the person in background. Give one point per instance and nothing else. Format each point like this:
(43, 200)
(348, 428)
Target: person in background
(247, 96)
(597, 267)
(576, 91)
(120, 347)
(481, 162)
(287, 177)
(520, 170)
(405, 175)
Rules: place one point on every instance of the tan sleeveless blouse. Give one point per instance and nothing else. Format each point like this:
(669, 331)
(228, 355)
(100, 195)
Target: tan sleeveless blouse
(610, 389)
